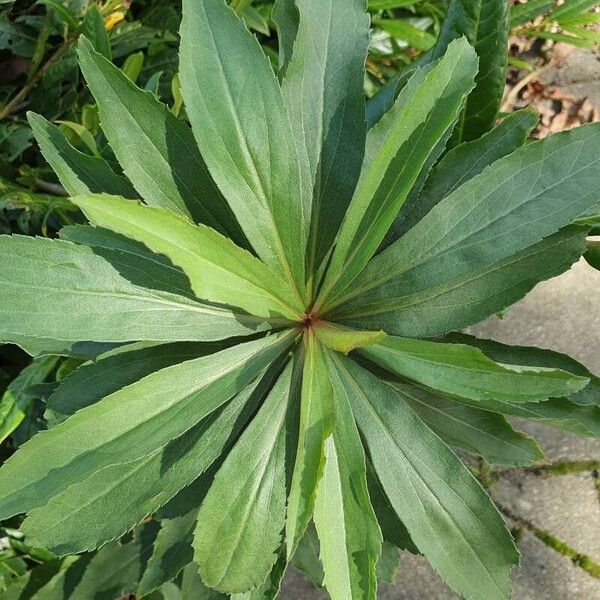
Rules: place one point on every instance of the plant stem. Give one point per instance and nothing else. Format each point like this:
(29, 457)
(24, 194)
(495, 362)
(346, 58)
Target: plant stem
(33, 81)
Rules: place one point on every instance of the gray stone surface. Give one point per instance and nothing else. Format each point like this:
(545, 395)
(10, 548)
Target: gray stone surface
(547, 575)
(561, 314)
(566, 506)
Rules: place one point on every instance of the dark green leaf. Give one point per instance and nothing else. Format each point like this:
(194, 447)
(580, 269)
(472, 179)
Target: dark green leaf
(54, 290)
(447, 513)
(156, 150)
(323, 90)
(79, 173)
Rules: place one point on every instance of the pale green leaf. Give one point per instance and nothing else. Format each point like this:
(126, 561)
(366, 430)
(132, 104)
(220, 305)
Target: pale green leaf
(342, 339)
(317, 416)
(349, 536)
(236, 109)
(240, 521)
(219, 271)
(448, 514)
(466, 371)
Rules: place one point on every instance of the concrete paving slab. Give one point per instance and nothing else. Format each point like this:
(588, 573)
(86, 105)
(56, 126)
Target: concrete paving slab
(565, 506)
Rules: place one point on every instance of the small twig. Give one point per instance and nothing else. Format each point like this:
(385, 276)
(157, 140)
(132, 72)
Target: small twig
(16, 101)
(513, 95)
(50, 188)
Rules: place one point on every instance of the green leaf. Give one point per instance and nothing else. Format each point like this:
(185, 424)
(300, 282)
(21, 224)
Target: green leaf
(93, 28)
(521, 13)
(238, 534)
(219, 271)
(508, 207)
(306, 558)
(401, 29)
(134, 261)
(592, 254)
(536, 357)
(448, 514)
(15, 401)
(323, 91)
(349, 536)
(172, 549)
(156, 150)
(465, 371)
(345, 340)
(388, 564)
(55, 290)
(477, 431)
(462, 163)
(571, 8)
(473, 297)
(286, 17)
(133, 428)
(397, 148)
(240, 122)
(392, 528)
(317, 416)
(485, 25)
(79, 173)
(115, 370)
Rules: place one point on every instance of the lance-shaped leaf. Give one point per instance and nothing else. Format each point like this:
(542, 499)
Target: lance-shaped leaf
(474, 430)
(240, 521)
(461, 164)
(510, 206)
(117, 369)
(172, 549)
(468, 299)
(323, 90)
(157, 151)
(465, 371)
(342, 339)
(129, 425)
(447, 513)
(134, 261)
(286, 18)
(349, 536)
(397, 148)
(236, 108)
(78, 172)
(317, 416)
(108, 502)
(485, 24)
(55, 290)
(15, 401)
(536, 357)
(219, 271)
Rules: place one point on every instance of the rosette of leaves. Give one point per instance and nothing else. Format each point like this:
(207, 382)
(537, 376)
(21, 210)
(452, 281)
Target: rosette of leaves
(271, 295)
